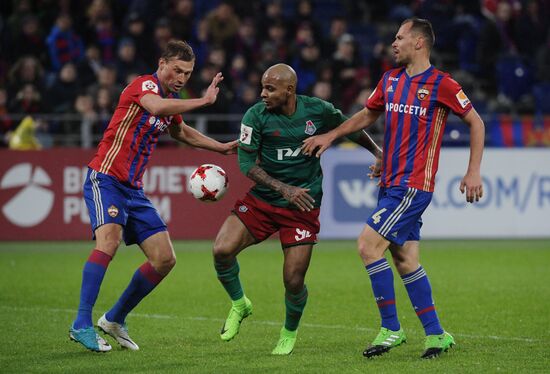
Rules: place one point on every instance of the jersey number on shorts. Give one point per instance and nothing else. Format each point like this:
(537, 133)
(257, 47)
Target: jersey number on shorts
(376, 216)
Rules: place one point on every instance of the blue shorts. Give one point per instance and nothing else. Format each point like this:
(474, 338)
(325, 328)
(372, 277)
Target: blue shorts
(109, 201)
(398, 216)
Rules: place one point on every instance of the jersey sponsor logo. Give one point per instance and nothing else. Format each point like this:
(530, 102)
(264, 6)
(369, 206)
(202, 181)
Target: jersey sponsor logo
(150, 86)
(310, 127)
(288, 152)
(302, 234)
(113, 211)
(422, 93)
(407, 109)
(31, 184)
(390, 88)
(395, 79)
(462, 99)
(152, 120)
(246, 134)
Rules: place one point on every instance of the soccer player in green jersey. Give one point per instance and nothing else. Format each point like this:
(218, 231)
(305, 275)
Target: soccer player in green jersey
(285, 199)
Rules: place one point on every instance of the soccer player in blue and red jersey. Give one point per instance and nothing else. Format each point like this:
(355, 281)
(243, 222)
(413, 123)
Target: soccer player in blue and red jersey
(114, 195)
(416, 99)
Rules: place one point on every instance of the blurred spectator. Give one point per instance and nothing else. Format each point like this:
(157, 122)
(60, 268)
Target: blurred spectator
(345, 64)
(247, 42)
(104, 36)
(27, 100)
(25, 70)
(84, 105)
(63, 43)
(104, 106)
(304, 15)
(277, 38)
(542, 61)
(200, 43)
(29, 41)
(306, 66)
(162, 35)
(532, 28)
(65, 88)
(106, 79)
(182, 19)
(496, 38)
(322, 90)
(338, 27)
(222, 24)
(136, 29)
(127, 61)
(89, 67)
(237, 73)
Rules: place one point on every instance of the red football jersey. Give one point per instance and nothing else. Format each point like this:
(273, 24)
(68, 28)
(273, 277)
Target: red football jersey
(132, 134)
(416, 111)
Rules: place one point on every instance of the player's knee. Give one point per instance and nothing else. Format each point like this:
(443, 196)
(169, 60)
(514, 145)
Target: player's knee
(294, 284)
(221, 251)
(369, 252)
(163, 264)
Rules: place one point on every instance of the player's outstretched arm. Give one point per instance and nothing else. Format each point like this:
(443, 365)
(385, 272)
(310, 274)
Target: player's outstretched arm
(159, 106)
(189, 135)
(471, 183)
(295, 195)
(316, 145)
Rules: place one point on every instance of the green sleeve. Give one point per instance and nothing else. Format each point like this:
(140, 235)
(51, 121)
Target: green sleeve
(335, 118)
(250, 138)
(247, 159)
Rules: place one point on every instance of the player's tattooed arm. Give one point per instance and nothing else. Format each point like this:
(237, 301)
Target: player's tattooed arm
(295, 195)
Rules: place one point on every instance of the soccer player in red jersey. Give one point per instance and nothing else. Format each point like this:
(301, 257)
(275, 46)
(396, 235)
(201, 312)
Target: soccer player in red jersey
(114, 195)
(416, 99)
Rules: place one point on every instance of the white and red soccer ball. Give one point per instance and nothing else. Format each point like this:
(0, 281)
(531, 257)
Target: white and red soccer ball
(208, 183)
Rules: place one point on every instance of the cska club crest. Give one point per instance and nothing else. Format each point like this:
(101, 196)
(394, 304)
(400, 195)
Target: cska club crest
(310, 128)
(422, 93)
(113, 211)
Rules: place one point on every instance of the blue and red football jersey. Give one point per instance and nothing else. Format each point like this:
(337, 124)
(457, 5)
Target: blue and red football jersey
(132, 134)
(416, 111)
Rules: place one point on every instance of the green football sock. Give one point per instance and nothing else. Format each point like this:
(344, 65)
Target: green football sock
(295, 305)
(228, 274)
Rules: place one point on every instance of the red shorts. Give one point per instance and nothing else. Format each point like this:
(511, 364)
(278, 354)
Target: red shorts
(262, 220)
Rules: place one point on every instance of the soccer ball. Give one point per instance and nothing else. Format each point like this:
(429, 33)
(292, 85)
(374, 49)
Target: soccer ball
(208, 183)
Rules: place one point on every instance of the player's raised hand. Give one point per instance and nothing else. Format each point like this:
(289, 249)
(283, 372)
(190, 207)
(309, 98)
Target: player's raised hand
(299, 197)
(472, 185)
(212, 91)
(375, 169)
(230, 148)
(316, 145)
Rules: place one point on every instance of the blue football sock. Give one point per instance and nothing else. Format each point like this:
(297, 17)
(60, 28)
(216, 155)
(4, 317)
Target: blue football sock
(145, 279)
(381, 277)
(92, 276)
(420, 293)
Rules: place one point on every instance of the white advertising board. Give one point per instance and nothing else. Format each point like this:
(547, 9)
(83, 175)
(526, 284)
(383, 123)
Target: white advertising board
(516, 201)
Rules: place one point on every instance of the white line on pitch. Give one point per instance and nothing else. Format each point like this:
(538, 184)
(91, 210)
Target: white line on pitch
(270, 323)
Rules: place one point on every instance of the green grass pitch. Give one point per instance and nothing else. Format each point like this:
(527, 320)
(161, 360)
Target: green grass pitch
(493, 296)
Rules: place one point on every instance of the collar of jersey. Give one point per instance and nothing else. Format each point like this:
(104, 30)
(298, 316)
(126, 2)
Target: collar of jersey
(428, 70)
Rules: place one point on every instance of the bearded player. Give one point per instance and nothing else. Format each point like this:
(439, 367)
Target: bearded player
(285, 199)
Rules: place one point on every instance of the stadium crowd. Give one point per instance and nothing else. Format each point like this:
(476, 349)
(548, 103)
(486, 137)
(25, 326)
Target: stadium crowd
(74, 57)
